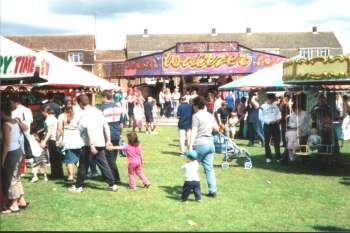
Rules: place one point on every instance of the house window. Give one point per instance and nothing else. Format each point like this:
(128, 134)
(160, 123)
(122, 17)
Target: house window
(76, 57)
(306, 53)
(323, 52)
(313, 52)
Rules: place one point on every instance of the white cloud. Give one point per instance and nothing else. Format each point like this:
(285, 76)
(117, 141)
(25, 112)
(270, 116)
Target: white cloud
(192, 16)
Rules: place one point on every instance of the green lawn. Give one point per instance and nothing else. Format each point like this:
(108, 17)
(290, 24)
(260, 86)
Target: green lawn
(274, 197)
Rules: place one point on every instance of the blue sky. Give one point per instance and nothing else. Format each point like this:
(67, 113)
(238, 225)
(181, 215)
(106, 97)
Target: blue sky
(117, 18)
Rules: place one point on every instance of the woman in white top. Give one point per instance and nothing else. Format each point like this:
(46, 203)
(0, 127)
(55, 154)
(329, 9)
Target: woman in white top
(50, 141)
(175, 98)
(161, 101)
(68, 133)
(10, 162)
(300, 120)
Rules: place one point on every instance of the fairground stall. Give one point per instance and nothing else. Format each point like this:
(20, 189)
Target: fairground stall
(20, 65)
(66, 79)
(323, 84)
(200, 66)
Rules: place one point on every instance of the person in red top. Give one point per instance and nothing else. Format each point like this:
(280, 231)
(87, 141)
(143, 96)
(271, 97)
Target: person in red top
(135, 160)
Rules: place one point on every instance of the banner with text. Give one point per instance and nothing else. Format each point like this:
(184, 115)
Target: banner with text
(201, 63)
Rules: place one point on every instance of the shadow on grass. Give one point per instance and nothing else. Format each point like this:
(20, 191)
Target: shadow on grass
(329, 228)
(313, 165)
(174, 192)
(174, 145)
(345, 181)
(171, 153)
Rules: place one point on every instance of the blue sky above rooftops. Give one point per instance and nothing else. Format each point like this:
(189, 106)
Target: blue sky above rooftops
(117, 18)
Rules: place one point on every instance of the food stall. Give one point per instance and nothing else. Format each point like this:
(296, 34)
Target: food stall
(20, 65)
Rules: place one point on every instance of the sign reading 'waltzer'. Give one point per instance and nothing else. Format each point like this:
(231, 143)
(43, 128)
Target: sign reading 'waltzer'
(178, 62)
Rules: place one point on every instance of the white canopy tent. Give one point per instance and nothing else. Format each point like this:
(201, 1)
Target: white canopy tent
(267, 78)
(64, 74)
(20, 64)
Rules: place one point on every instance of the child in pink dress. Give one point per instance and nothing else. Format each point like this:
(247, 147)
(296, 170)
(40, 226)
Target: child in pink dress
(135, 160)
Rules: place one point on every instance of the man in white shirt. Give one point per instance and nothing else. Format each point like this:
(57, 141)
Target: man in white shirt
(25, 115)
(270, 116)
(96, 128)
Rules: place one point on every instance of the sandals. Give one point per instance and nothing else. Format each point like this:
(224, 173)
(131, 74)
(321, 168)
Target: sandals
(10, 211)
(24, 206)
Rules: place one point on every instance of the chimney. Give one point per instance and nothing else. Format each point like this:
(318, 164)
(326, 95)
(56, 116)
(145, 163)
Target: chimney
(314, 30)
(213, 32)
(248, 31)
(145, 33)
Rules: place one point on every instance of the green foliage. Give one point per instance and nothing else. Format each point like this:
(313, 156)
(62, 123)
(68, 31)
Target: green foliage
(269, 197)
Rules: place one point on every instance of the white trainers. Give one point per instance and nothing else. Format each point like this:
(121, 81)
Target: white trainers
(268, 160)
(34, 179)
(74, 189)
(113, 188)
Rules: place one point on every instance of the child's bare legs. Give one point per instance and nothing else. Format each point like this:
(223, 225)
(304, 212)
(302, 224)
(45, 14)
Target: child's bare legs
(35, 174)
(70, 171)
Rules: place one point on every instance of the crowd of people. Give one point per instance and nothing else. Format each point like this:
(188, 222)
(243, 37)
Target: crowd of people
(82, 137)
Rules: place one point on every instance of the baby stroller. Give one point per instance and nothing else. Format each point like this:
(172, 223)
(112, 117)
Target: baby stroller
(224, 145)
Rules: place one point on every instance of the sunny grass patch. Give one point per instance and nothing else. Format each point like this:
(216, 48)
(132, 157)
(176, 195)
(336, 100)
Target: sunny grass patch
(266, 198)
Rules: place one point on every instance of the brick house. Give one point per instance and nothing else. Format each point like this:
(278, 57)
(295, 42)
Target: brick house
(109, 64)
(289, 44)
(76, 49)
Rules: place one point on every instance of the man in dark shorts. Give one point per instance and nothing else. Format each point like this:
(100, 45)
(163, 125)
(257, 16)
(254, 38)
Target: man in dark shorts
(148, 106)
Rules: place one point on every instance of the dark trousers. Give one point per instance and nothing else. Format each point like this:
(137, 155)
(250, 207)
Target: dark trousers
(272, 131)
(255, 129)
(101, 162)
(283, 132)
(188, 187)
(241, 128)
(130, 112)
(111, 157)
(162, 108)
(55, 161)
(167, 107)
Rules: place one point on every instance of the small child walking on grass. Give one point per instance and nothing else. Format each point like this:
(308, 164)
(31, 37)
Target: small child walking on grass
(135, 160)
(292, 142)
(40, 163)
(192, 182)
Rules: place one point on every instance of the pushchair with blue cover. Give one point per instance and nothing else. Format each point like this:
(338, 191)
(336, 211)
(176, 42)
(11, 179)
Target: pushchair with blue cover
(224, 145)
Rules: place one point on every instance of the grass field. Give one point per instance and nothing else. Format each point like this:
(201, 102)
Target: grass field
(269, 197)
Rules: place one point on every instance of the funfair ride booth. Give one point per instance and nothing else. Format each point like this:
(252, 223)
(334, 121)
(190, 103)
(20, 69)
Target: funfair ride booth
(199, 65)
(318, 77)
(20, 65)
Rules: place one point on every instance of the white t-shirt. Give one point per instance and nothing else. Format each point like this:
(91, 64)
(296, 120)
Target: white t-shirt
(23, 113)
(83, 115)
(161, 98)
(217, 104)
(269, 113)
(191, 171)
(51, 123)
(95, 122)
(175, 96)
